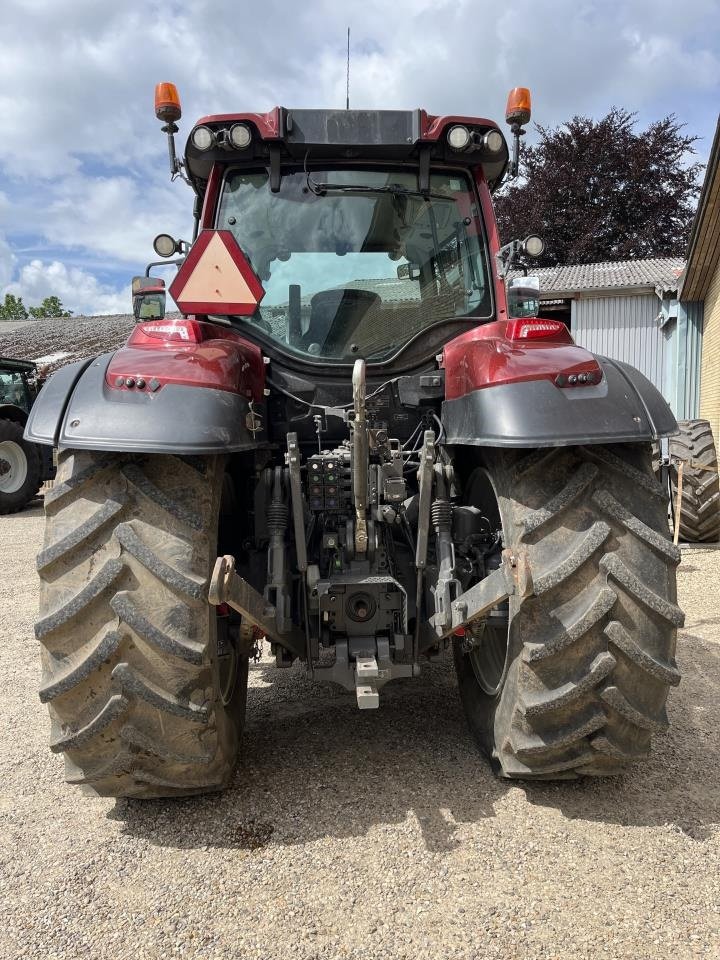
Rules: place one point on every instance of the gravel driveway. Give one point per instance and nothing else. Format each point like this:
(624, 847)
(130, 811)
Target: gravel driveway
(362, 835)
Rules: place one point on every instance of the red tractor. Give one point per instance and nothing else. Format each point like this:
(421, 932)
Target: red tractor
(359, 446)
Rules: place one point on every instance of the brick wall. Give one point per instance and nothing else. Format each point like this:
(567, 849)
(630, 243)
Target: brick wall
(710, 368)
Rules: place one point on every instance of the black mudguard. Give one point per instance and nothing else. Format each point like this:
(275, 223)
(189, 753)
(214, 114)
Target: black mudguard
(624, 408)
(77, 409)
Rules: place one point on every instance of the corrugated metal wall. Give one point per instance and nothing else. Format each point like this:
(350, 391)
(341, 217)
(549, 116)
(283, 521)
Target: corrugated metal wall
(624, 328)
(662, 339)
(689, 360)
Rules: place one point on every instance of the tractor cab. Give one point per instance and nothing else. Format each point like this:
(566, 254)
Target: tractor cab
(15, 383)
(370, 232)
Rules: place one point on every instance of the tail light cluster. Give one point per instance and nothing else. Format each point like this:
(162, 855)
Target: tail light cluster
(535, 328)
(173, 331)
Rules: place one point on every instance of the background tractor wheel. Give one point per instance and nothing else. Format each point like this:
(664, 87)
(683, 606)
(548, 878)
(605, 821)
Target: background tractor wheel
(573, 681)
(19, 468)
(700, 509)
(145, 682)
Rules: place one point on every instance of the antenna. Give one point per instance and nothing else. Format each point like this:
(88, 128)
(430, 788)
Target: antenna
(347, 82)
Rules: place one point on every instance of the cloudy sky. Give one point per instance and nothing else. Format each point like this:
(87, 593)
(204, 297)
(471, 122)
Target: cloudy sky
(84, 185)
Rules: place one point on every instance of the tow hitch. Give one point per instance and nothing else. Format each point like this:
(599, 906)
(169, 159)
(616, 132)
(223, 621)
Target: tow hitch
(512, 578)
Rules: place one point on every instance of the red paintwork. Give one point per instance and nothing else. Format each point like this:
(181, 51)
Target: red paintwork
(267, 124)
(212, 191)
(484, 357)
(493, 238)
(433, 127)
(223, 360)
(183, 275)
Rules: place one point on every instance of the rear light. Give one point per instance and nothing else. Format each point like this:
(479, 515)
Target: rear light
(537, 329)
(203, 138)
(458, 137)
(240, 136)
(175, 331)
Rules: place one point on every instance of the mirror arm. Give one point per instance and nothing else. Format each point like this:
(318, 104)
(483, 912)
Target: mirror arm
(505, 256)
(176, 165)
(162, 263)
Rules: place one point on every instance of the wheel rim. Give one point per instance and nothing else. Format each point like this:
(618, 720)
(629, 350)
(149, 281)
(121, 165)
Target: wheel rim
(489, 653)
(13, 466)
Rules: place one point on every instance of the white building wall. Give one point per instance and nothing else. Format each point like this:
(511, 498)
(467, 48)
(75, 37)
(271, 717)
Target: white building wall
(623, 328)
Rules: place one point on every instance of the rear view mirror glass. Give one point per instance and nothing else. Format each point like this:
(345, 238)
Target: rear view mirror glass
(408, 271)
(148, 296)
(523, 297)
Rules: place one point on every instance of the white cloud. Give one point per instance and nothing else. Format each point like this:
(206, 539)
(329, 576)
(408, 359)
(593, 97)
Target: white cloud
(78, 290)
(84, 161)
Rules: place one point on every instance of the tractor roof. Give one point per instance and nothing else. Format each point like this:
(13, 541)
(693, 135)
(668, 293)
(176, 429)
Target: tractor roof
(287, 135)
(16, 366)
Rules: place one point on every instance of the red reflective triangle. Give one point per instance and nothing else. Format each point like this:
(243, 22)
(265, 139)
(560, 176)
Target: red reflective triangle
(216, 277)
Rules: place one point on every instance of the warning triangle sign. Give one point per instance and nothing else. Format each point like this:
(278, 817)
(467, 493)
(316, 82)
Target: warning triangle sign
(216, 277)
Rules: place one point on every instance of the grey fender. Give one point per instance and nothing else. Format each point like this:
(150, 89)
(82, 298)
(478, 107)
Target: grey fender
(77, 409)
(624, 408)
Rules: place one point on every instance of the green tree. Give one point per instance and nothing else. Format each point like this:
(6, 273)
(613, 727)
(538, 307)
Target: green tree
(13, 308)
(598, 190)
(50, 307)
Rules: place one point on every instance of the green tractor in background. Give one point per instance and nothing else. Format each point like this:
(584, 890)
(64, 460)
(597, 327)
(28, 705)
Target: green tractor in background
(24, 466)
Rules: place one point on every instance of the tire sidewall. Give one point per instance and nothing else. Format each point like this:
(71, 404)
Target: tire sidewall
(482, 710)
(12, 432)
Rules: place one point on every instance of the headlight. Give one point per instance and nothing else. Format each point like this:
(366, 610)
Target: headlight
(534, 245)
(458, 137)
(493, 141)
(203, 138)
(164, 245)
(240, 136)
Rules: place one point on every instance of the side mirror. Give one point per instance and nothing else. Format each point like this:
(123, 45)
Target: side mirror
(408, 271)
(148, 297)
(523, 297)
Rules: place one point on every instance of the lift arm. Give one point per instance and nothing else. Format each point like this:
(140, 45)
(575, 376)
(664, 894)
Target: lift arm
(512, 578)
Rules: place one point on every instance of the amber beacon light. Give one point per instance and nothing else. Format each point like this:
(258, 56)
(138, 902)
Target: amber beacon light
(167, 103)
(517, 114)
(518, 106)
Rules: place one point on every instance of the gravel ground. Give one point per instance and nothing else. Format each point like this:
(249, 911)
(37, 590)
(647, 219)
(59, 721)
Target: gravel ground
(65, 338)
(362, 835)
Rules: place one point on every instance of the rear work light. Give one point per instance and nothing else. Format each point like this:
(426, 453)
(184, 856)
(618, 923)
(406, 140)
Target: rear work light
(537, 329)
(175, 331)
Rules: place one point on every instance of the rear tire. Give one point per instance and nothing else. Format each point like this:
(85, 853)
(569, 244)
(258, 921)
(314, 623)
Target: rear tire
(700, 508)
(19, 468)
(133, 670)
(584, 674)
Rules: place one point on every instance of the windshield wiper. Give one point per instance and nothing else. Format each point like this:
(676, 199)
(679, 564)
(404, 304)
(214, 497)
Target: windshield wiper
(321, 189)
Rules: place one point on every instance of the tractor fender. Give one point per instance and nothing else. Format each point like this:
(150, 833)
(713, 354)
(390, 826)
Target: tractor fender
(623, 408)
(78, 408)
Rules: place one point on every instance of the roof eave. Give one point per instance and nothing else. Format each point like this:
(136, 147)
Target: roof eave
(702, 258)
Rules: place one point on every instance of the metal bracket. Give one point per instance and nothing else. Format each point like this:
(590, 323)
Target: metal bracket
(227, 586)
(512, 578)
